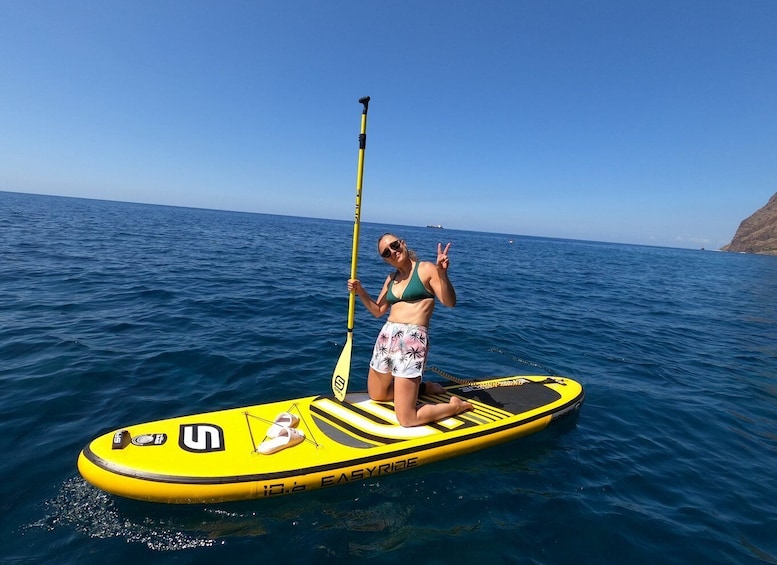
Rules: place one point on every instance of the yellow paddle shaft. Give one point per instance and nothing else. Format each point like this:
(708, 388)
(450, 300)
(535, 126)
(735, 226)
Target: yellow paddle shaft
(357, 217)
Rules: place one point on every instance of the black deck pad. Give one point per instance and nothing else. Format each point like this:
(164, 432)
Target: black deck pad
(514, 399)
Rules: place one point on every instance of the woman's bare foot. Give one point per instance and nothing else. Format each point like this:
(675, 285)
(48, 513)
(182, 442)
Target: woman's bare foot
(461, 406)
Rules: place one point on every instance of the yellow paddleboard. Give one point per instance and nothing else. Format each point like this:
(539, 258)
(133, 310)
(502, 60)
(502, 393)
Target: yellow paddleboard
(216, 456)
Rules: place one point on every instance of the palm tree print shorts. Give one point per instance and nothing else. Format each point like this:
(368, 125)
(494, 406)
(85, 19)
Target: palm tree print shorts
(401, 350)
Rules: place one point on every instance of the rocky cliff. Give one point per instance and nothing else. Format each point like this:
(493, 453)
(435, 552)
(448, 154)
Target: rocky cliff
(758, 233)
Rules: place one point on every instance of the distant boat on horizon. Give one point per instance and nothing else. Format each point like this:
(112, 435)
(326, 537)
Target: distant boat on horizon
(437, 227)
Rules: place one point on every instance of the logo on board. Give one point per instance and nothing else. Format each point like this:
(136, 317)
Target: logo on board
(149, 439)
(201, 438)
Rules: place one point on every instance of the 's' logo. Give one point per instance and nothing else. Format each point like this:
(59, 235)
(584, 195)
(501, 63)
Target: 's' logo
(201, 438)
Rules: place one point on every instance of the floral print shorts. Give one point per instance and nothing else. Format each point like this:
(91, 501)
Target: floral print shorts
(401, 350)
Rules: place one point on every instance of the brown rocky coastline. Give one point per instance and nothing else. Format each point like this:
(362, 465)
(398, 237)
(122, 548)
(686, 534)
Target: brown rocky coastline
(758, 233)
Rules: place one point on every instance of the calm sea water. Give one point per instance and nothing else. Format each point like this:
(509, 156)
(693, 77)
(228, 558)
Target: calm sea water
(114, 313)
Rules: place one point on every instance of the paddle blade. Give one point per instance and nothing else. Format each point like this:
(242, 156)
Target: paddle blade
(343, 370)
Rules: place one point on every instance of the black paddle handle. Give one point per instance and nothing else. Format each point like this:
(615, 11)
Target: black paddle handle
(363, 136)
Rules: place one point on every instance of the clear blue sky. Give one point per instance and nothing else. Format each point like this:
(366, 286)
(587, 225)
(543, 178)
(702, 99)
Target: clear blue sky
(645, 121)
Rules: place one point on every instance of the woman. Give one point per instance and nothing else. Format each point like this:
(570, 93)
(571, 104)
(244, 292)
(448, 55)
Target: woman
(399, 357)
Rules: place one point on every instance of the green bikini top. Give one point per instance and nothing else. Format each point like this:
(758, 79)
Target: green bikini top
(415, 289)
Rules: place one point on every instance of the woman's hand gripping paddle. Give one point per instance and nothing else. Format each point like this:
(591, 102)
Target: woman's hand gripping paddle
(343, 368)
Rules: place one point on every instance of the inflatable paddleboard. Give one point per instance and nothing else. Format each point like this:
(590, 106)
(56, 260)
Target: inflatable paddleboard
(229, 454)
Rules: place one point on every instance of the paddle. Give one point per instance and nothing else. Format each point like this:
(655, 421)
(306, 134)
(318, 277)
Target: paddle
(343, 368)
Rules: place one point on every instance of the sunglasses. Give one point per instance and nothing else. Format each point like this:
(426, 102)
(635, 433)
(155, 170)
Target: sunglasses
(395, 245)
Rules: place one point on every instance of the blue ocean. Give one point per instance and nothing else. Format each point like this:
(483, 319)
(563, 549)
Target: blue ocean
(114, 313)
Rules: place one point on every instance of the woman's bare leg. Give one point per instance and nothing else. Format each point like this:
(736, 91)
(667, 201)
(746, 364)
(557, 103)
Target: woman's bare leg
(406, 398)
(380, 386)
